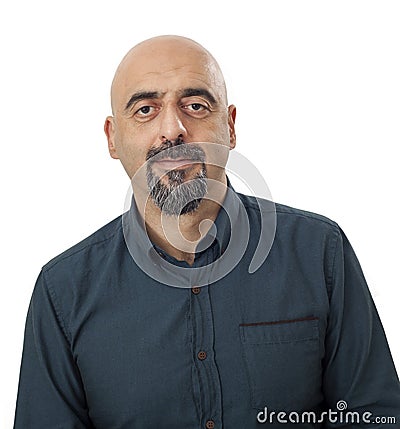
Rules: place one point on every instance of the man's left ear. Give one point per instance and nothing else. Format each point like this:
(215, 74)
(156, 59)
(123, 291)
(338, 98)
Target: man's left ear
(231, 123)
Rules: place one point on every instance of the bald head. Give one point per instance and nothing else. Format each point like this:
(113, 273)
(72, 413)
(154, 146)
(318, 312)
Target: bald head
(163, 55)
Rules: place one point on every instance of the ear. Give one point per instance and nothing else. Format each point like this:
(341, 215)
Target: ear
(109, 129)
(231, 123)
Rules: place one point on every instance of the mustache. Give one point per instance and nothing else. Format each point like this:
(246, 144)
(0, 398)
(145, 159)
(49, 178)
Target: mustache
(182, 150)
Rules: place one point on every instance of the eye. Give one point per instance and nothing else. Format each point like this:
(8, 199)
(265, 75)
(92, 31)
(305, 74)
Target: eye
(144, 111)
(196, 106)
(197, 109)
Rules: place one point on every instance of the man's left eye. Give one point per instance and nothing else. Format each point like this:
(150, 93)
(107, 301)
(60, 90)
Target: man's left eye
(198, 110)
(196, 106)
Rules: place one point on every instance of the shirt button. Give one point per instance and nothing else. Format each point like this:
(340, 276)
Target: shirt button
(196, 290)
(210, 424)
(202, 355)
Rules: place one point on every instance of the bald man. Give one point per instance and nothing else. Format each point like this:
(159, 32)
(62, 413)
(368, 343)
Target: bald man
(156, 320)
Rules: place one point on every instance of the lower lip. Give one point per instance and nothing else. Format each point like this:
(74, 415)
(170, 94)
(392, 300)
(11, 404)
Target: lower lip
(173, 164)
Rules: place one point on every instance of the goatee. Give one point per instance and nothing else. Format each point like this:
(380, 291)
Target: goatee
(178, 196)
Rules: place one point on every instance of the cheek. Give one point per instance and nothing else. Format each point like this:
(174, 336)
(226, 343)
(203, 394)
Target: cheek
(219, 131)
(212, 130)
(132, 150)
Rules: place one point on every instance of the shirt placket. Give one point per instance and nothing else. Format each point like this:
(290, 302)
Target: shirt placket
(206, 380)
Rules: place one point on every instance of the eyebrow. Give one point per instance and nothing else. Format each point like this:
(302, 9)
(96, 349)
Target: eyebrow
(141, 95)
(195, 92)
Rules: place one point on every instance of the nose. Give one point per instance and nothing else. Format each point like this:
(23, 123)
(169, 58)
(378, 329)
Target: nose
(171, 125)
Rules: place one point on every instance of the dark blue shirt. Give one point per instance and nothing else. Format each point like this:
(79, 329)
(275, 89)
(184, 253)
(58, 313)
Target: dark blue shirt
(109, 347)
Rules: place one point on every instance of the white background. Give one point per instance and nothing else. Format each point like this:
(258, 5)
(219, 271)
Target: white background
(316, 85)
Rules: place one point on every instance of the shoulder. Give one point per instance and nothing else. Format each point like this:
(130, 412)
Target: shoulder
(89, 248)
(290, 218)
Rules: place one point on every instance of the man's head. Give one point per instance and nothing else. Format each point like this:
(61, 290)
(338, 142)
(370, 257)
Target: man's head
(169, 92)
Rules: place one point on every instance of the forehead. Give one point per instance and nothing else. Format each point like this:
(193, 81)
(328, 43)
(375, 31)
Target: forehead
(168, 72)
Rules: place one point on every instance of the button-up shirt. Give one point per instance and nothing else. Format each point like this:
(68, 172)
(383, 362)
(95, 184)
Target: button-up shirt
(108, 346)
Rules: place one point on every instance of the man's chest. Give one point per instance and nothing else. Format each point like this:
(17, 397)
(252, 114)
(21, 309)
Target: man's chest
(220, 353)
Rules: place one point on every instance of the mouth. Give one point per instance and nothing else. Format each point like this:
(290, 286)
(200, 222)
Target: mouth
(168, 164)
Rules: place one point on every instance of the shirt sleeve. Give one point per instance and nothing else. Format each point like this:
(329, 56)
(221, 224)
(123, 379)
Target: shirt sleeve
(358, 368)
(50, 393)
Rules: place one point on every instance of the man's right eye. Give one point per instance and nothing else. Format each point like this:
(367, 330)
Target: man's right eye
(145, 110)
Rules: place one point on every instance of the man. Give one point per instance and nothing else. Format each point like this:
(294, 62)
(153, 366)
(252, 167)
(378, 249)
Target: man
(128, 333)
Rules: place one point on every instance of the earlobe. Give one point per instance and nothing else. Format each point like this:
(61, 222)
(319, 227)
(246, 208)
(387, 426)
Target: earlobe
(231, 123)
(109, 129)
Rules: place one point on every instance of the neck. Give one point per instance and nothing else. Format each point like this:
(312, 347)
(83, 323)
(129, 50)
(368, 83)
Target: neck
(179, 236)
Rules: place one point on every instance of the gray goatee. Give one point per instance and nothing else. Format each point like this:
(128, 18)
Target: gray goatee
(177, 197)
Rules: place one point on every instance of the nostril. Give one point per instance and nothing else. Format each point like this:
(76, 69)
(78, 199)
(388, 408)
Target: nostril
(179, 140)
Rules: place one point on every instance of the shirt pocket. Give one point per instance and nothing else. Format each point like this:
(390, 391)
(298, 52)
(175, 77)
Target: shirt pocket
(283, 363)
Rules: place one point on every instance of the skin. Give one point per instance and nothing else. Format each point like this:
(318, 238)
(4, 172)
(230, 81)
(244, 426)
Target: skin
(167, 66)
